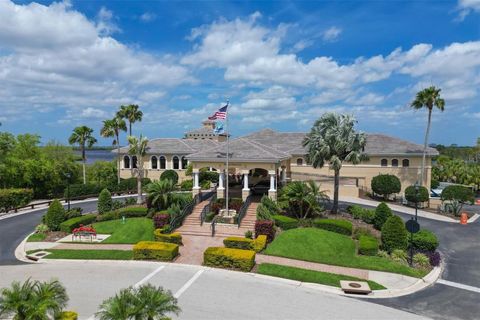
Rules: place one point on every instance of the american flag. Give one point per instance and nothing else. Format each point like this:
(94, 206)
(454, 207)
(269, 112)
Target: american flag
(220, 114)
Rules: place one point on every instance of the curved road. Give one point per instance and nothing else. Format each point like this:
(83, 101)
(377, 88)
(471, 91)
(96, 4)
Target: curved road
(458, 243)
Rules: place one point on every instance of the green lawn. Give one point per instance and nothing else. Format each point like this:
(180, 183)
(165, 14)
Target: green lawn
(90, 254)
(37, 237)
(133, 231)
(317, 245)
(329, 279)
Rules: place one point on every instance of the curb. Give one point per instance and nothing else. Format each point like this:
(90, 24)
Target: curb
(20, 253)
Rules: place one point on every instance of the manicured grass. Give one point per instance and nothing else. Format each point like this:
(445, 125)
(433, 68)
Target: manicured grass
(90, 254)
(317, 245)
(37, 237)
(329, 279)
(133, 231)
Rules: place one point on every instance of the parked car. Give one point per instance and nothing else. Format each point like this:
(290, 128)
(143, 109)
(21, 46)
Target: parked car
(261, 187)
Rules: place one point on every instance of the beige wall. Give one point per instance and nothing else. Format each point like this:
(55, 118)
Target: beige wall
(154, 174)
(365, 171)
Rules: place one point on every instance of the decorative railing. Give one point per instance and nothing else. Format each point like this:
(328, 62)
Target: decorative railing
(212, 226)
(207, 208)
(243, 210)
(178, 220)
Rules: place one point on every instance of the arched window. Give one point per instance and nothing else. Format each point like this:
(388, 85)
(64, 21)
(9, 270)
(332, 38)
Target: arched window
(154, 162)
(299, 162)
(384, 162)
(394, 162)
(134, 162)
(126, 162)
(176, 163)
(163, 162)
(184, 162)
(405, 163)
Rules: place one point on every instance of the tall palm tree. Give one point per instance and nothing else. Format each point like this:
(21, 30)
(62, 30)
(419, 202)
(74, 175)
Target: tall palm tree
(138, 147)
(427, 98)
(160, 193)
(33, 300)
(83, 137)
(145, 302)
(333, 139)
(111, 128)
(131, 113)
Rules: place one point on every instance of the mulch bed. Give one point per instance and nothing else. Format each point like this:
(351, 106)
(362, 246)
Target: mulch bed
(54, 236)
(357, 223)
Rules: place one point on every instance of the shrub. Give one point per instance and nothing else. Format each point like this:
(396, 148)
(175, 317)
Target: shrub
(208, 176)
(238, 243)
(73, 213)
(399, 255)
(161, 219)
(425, 240)
(205, 185)
(132, 212)
(152, 250)
(260, 243)
(368, 246)
(386, 184)
(68, 315)
(104, 201)
(234, 203)
(383, 254)
(169, 238)
(112, 215)
(340, 226)
(457, 196)
(209, 217)
(42, 228)
(360, 231)
(13, 198)
(434, 258)
(270, 205)
(382, 213)
(394, 234)
(421, 261)
(284, 222)
(263, 213)
(117, 204)
(130, 184)
(186, 185)
(423, 194)
(265, 227)
(130, 201)
(358, 212)
(368, 216)
(434, 184)
(80, 189)
(249, 234)
(229, 258)
(55, 215)
(70, 224)
(169, 175)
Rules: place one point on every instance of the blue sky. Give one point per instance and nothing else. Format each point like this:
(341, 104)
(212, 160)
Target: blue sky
(281, 63)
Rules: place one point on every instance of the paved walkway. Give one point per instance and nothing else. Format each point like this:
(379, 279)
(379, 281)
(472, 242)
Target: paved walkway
(193, 247)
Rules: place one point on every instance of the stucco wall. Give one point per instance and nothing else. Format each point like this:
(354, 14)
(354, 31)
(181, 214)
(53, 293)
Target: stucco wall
(154, 174)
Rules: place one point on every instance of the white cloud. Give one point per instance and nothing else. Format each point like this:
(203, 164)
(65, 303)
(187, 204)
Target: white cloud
(466, 7)
(105, 24)
(331, 34)
(148, 17)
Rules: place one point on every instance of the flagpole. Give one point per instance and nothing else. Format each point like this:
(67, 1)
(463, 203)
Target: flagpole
(228, 154)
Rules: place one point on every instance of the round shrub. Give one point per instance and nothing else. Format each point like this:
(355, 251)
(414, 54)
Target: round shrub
(161, 219)
(399, 256)
(265, 227)
(55, 215)
(382, 213)
(386, 184)
(421, 261)
(394, 234)
(186, 185)
(434, 258)
(422, 194)
(169, 175)
(104, 201)
(425, 240)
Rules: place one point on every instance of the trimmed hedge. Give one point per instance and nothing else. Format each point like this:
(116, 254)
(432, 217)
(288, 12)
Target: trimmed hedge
(367, 246)
(80, 189)
(423, 194)
(70, 224)
(340, 226)
(238, 243)
(68, 315)
(386, 184)
(112, 215)
(382, 213)
(175, 237)
(265, 227)
(284, 222)
(394, 234)
(13, 198)
(425, 240)
(260, 243)
(228, 258)
(153, 250)
(133, 212)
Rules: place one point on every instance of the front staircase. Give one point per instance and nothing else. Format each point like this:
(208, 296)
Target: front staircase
(191, 225)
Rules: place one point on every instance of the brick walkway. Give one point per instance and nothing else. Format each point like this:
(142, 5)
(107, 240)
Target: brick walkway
(359, 273)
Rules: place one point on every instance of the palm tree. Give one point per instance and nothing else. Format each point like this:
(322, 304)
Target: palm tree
(138, 147)
(33, 300)
(112, 128)
(83, 137)
(160, 193)
(303, 198)
(130, 113)
(333, 139)
(427, 98)
(145, 302)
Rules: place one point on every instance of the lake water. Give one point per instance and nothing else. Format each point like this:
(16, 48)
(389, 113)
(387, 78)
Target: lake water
(98, 155)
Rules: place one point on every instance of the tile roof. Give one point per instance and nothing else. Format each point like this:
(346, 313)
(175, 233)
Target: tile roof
(176, 146)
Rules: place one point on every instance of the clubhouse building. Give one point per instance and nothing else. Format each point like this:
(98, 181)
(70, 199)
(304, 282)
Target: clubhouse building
(277, 157)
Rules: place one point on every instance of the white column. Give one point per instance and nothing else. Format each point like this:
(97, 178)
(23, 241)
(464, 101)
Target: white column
(245, 181)
(220, 180)
(272, 182)
(195, 180)
(284, 175)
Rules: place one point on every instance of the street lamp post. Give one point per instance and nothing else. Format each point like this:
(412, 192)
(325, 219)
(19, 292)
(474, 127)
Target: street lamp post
(417, 188)
(68, 176)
